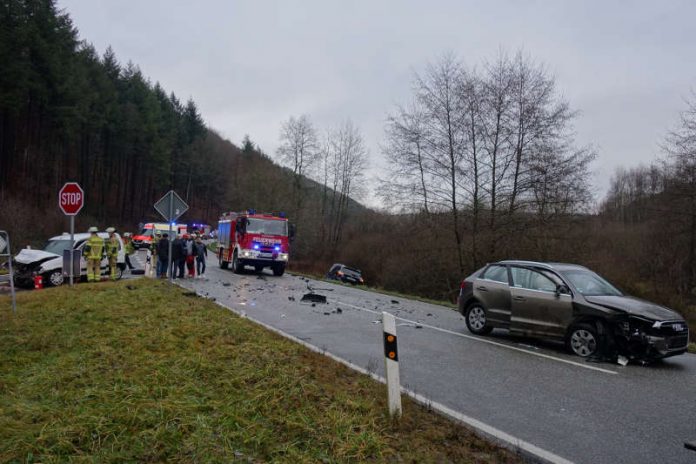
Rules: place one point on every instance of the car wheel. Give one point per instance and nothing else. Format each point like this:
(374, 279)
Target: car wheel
(583, 340)
(476, 320)
(223, 264)
(55, 278)
(237, 266)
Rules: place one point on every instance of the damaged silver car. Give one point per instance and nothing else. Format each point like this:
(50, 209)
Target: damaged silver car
(570, 303)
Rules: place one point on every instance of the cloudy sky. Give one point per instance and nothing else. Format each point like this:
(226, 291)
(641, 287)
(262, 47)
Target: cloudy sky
(249, 65)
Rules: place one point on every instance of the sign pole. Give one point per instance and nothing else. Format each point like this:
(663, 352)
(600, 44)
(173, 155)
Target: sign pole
(72, 248)
(171, 239)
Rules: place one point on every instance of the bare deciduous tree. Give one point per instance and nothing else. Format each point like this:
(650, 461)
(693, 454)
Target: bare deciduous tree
(299, 150)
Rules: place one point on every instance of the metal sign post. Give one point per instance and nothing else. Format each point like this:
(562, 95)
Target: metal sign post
(71, 199)
(171, 207)
(391, 359)
(6, 252)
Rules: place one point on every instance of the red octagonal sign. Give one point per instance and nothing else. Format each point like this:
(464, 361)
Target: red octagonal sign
(71, 198)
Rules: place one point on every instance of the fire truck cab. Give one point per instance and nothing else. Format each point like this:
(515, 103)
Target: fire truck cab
(254, 239)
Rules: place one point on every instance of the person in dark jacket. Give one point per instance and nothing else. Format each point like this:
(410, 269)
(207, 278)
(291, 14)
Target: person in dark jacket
(178, 258)
(201, 252)
(163, 256)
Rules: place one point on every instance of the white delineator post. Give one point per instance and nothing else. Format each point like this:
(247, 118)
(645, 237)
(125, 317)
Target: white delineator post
(391, 359)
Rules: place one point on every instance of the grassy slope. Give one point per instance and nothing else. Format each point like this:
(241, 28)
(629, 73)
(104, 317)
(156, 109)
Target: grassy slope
(110, 374)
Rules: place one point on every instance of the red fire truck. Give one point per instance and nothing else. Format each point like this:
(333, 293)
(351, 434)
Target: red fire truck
(254, 239)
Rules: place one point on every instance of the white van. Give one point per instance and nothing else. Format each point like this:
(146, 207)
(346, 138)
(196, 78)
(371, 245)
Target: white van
(48, 262)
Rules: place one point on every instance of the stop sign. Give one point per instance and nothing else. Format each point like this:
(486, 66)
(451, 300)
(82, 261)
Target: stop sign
(71, 198)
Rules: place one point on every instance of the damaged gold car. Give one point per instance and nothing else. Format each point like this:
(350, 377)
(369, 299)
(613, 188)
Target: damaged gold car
(572, 304)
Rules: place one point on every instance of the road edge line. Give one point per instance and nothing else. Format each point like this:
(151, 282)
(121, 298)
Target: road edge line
(497, 436)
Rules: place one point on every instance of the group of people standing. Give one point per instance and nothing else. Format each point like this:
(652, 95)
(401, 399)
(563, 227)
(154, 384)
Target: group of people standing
(188, 251)
(96, 249)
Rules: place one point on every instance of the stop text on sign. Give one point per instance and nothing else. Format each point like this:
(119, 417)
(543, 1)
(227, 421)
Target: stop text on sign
(69, 199)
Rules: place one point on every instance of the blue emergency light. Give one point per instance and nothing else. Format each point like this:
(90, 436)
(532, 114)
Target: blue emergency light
(256, 246)
(277, 248)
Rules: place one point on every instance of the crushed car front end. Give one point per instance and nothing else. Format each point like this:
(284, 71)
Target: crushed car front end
(641, 338)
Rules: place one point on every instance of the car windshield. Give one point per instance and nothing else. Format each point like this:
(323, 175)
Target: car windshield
(57, 246)
(146, 232)
(267, 226)
(590, 284)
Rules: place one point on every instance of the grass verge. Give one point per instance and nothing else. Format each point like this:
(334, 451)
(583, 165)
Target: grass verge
(692, 347)
(138, 371)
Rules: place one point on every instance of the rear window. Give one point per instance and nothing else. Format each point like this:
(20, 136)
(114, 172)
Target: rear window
(496, 273)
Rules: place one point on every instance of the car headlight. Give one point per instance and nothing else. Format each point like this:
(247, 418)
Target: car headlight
(283, 256)
(246, 253)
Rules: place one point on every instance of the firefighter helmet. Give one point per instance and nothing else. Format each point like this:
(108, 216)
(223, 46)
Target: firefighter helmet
(111, 230)
(92, 230)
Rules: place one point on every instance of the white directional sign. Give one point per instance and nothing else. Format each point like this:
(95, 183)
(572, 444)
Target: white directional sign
(171, 206)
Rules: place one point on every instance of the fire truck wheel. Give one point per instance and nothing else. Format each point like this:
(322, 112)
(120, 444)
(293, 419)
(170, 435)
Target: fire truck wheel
(237, 265)
(278, 270)
(223, 263)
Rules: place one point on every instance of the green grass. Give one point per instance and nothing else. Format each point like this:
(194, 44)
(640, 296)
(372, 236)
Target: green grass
(137, 371)
(692, 347)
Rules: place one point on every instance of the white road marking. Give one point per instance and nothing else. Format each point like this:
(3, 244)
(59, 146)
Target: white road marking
(483, 340)
(504, 439)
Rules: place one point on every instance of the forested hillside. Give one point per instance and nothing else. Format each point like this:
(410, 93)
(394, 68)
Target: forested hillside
(67, 113)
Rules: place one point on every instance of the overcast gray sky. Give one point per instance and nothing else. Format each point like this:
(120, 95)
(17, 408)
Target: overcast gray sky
(249, 65)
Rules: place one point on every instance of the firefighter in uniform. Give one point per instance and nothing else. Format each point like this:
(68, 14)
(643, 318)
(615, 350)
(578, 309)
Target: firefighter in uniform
(93, 252)
(112, 252)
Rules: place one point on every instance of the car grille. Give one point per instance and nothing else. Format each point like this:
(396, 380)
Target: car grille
(670, 329)
(680, 341)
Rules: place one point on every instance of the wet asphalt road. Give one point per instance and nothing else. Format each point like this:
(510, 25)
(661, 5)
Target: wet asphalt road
(583, 412)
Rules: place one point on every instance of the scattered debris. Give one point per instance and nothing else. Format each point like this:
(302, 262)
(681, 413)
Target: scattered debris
(623, 360)
(314, 297)
(282, 316)
(376, 322)
(291, 298)
(339, 310)
(313, 305)
(325, 313)
(190, 294)
(129, 287)
(429, 315)
(394, 302)
(418, 326)
(261, 277)
(226, 284)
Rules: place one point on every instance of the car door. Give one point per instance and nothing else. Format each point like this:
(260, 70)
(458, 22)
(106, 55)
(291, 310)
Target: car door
(537, 309)
(492, 288)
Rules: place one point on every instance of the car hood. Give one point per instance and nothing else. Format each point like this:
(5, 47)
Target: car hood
(635, 307)
(28, 256)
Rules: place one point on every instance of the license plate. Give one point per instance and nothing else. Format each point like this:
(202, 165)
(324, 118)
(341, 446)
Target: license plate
(265, 255)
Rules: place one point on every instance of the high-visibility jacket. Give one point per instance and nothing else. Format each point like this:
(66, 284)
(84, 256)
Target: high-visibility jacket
(111, 247)
(153, 245)
(94, 248)
(129, 248)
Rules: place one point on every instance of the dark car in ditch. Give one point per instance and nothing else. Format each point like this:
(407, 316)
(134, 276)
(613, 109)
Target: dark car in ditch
(572, 304)
(345, 274)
